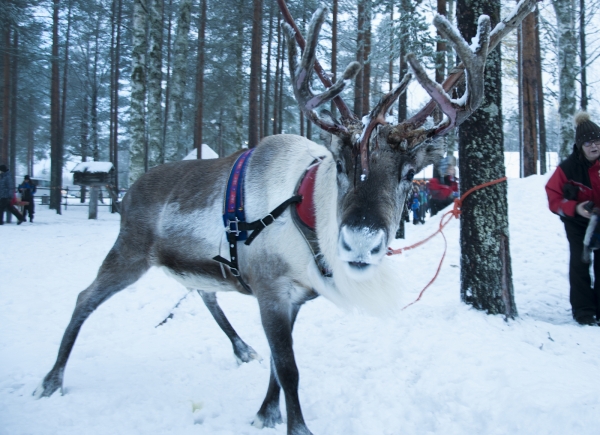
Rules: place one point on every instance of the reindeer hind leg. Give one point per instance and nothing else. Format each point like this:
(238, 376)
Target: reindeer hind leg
(116, 273)
(243, 352)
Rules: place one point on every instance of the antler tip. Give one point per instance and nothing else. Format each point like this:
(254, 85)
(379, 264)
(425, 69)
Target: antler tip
(351, 70)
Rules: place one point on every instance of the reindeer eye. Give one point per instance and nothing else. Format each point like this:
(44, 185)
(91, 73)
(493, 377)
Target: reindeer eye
(410, 175)
(339, 167)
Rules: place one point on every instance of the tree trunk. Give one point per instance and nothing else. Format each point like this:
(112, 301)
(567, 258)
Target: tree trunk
(334, 44)
(93, 207)
(582, 55)
(486, 276)
(281, 81)
(528, 89)
(450, 61)
(520, 96)
(200, 82)
(239, 77)
(267, 93)
(255, 76)
(14, 98)
(180, 53)
(94, 97)
(392, 51)
(137, 121)
(540, 96)
(278, 74)
(63, 110)
(440, 58)
(567, 47)
(84, 139)
(360, 58)
(56, 151)
(31, 127)
(440, 75)
(366, 77)
(403, 66)
(168, 80)
(156, 149)
(115, 93)
(4, 154)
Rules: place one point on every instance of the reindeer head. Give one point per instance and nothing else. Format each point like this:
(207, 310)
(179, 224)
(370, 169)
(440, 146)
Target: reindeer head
(375, 161)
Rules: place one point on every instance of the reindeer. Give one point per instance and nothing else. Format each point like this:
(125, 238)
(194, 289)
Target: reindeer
(172, 216)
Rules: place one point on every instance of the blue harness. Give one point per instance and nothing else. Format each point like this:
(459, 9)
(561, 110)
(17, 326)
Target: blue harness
(234, 216)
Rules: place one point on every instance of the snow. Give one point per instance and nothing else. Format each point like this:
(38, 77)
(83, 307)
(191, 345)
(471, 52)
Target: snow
(207, 153)
(438, 367)
(94, 167)
(511, 163)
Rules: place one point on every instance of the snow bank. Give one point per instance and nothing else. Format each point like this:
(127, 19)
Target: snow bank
(440, 367)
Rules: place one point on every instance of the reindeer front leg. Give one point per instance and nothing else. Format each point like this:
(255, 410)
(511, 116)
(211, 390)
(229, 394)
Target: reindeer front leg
(278, 316)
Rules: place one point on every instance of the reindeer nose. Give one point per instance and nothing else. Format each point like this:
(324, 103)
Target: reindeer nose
(361, 245)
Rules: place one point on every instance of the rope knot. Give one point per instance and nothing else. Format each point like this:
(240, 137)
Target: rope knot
(457, 206)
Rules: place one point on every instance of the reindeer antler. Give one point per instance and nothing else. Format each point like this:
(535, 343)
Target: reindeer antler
(510, 23)
(377, 117)
(301, 73)
(409, 133)
(340, 104)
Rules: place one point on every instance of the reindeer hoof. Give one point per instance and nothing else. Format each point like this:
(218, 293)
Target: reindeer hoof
(244, 353)
(268, 416)
(52, 382)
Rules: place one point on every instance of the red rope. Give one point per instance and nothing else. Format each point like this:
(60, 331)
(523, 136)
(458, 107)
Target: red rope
(456, 210)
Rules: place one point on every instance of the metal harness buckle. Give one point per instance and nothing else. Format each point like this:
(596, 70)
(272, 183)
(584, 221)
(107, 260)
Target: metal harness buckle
(262, 221)
(233, 229)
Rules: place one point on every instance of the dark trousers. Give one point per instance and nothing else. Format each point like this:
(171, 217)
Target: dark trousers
(585, 299)
(439, 204)
(29, 208)
(5, 206)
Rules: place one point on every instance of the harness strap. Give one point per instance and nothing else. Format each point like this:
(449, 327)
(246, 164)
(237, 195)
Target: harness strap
(260, 224)
(236, 227)
(233, 264)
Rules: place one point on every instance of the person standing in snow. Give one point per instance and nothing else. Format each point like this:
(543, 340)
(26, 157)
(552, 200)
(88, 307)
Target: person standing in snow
(415, 208)
(7, 192)
(423, 201)
(27, 188)
(444, 191)
(572, 190)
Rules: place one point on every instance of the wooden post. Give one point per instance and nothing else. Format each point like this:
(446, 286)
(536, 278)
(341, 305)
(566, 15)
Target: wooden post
(93, 203)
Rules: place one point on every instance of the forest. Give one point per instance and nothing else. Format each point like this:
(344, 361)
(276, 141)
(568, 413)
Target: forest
(143, 83)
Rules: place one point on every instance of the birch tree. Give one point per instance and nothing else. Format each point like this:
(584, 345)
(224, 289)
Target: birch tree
(156, 155)
(137, 119)
(178, 81)
(567, 72)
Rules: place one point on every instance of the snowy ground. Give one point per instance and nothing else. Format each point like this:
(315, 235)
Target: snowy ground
(438, 368)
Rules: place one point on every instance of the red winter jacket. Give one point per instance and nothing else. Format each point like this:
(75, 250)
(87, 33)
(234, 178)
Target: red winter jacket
(443, 191)
(575, 180)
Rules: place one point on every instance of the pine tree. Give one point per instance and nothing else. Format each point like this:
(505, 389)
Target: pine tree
(486, 276)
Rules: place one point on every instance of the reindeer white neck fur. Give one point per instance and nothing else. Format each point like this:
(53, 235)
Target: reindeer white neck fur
(376, 291)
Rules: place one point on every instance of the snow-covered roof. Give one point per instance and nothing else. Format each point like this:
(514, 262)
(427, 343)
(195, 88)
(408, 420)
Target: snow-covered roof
(207, 153)
(96, 167)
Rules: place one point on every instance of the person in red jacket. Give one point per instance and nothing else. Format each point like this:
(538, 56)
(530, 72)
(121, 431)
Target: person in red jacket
(443, 193)
(572, 190)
